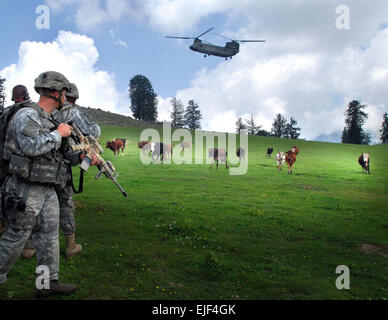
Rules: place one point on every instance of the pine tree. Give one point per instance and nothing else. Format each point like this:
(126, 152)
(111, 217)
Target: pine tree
(279, 126)
(291, 131)
(177, 114)
(252, 125)
(2, 94)
(355, 118)
(384, 129)
(240, 125)
(193, 116)
(143, 98)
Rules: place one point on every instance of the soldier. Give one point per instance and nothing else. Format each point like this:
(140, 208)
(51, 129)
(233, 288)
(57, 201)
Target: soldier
(66, 218)
(19, 94)
(68, 113)
(36, 166)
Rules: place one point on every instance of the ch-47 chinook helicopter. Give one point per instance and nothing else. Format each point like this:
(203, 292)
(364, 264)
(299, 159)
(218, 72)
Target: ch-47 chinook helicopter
(230, 49)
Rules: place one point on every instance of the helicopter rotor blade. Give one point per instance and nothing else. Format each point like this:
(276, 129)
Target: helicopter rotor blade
(205, 32)
(172, 37)
(250, 40)
(220, 35)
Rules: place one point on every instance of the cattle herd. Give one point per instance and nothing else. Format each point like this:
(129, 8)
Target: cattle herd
(161, 151)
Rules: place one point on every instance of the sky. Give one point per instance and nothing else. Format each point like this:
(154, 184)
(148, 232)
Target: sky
(318, 56)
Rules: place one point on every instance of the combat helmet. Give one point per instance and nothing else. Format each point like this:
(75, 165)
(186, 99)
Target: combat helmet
(20, 92)
(73, 92)
(51, 80)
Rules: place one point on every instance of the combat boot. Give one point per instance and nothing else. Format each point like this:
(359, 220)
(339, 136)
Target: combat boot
(57, 288)
(28, 253)
(72, 248)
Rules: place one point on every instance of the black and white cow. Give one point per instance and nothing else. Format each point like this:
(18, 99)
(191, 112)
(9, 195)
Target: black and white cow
(363, 160)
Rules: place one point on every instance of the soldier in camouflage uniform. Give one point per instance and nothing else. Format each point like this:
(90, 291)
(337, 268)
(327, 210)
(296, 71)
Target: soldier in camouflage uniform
(68, 113)
(19, 95)
(36, 166)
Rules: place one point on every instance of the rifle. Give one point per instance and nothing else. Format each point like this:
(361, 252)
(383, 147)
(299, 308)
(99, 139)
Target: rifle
(89, 146)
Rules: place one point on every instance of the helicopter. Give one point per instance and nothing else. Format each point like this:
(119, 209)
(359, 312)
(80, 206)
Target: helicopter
(230, 49)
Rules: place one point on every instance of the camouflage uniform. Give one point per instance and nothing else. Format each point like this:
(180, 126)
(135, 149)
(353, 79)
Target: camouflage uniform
(29, 197)
(65, 195)
(70, 112)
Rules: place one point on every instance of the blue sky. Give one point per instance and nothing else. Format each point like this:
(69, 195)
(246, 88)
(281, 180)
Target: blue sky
(169, 64)
(308, 68)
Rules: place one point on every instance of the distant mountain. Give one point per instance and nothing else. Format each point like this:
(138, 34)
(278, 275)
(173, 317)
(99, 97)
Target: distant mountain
(332, 137)
(106, 118)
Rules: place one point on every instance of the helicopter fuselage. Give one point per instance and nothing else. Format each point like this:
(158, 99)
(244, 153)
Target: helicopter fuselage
(229, 50)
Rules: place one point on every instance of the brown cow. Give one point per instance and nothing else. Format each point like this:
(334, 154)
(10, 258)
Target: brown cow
(144, 145)
(141, 144)
(218, 155)
(169, 149)
(291, 158)
(116, 145)
(184, 145)
(295, 150)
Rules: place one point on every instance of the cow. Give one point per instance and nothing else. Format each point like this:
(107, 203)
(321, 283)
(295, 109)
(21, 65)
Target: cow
(141, 144)
(144, 145)
(218, 155)
(295, 150)
(116, 145)
(240, 153)
(363, 160)
(290, 159)
(160, 150)
(169, 149)
(185, 145)
(280, 159)
(269, 151)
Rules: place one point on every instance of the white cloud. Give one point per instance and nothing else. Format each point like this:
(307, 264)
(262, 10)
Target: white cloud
(74, 56)
(307, 69)
(314, 88)
(164, 109)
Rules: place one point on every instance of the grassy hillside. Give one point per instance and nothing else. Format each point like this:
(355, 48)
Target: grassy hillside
(187, 232)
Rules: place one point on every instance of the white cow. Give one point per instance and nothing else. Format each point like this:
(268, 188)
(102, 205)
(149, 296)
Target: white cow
(280, 159)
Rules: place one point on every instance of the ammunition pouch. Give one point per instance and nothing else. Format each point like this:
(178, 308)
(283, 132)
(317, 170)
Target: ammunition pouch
(16, 215)
(40, 171)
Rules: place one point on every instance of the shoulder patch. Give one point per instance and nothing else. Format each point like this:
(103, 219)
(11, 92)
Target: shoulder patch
(31, 128)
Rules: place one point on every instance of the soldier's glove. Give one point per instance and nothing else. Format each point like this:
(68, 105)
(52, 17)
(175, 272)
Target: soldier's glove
(1, 226)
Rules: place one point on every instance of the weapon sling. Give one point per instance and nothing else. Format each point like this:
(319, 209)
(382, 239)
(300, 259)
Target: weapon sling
(81, 181)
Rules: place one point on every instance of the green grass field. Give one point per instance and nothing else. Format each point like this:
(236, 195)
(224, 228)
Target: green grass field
(187, 232)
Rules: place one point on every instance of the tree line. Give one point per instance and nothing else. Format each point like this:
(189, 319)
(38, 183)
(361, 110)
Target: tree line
(144, 104)
(280, 127)
(355, 117)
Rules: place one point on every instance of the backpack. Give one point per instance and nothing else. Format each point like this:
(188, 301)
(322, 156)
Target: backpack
(5, 118)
